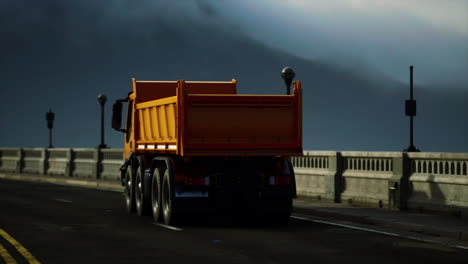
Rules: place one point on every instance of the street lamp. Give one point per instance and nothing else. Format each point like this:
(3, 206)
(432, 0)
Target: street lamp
(102, 100)
(50, 116)
(288, 75)
(410, 110)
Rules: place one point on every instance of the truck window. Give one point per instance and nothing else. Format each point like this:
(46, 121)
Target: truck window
(129, 120)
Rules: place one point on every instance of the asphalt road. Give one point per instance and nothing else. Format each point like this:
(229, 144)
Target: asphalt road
(63, 224)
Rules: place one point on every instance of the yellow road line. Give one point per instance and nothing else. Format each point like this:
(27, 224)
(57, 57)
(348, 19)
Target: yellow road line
(23, 251)
(6, 256)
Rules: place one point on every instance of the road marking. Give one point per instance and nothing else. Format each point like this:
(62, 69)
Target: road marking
(379, 232)
(168, 227)
(6, 256)
(23, 251)
(63, 200)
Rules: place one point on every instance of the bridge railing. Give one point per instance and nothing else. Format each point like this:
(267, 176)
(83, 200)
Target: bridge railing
(66, 162)
(439, 181)
(366, 177)
(419, 181)
(315, 173)
(355, 177)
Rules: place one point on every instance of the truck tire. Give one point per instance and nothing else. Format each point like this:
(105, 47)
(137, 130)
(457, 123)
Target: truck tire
(169, 206)
(129, 190)
(142, 203)
(293, 185)
(156, 195)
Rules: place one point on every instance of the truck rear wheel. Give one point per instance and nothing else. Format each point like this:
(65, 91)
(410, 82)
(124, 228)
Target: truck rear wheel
(142, 202)
(129, 193)
(156, 195)
(169, 209)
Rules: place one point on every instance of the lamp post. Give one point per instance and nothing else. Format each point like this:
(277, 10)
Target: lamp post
(410, 110)
(288, 75)
(50, 117)
(102, 100)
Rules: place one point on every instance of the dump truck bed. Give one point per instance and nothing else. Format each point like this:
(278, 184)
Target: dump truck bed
(209, 119)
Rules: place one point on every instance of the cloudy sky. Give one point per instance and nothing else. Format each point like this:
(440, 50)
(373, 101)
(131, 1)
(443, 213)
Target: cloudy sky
(384, 34)
(352, 56)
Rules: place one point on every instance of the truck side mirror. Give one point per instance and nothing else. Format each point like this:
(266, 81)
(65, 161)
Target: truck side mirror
(117, 116)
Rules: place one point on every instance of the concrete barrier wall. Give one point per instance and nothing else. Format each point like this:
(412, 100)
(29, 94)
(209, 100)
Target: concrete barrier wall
(84, 163)
(58, 161)
(10, 159)
(33, 160)
(110, 162)
(416, 181)
(80, 163)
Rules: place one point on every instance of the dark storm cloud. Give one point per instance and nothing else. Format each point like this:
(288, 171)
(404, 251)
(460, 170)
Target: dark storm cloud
(62, 54)
(206, 8)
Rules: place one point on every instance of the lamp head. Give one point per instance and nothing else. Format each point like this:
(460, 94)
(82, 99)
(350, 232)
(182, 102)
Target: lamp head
(288, 75)
(50, 117)
(102, 99)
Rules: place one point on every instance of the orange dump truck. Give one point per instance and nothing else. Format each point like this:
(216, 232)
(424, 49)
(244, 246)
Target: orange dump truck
(196, 146)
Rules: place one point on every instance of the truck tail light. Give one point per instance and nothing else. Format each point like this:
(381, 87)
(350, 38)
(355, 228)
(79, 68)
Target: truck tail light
(279, 180)
(197, 181)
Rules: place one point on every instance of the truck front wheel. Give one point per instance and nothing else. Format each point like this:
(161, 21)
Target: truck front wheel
(129, 190)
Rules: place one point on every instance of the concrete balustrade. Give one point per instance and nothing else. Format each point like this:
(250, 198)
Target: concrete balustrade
(438, 182)
(314, 176)
(353, 177)
(416, 181)
(366, 177)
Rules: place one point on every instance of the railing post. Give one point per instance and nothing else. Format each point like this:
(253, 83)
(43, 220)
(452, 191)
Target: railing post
(99, 166)
(20, 165)
(334, 179)
(398, 184)
(95, 172)
(44, 161)
(68, 168)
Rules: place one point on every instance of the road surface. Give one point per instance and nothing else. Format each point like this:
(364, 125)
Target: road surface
(47, 223)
